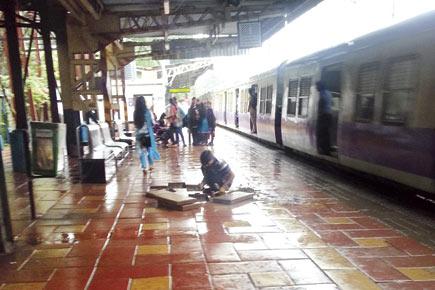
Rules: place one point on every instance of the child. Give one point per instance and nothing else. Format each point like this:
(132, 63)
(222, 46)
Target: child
(217, 174)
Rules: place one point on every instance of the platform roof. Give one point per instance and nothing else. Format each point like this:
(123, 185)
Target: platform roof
(182, 28)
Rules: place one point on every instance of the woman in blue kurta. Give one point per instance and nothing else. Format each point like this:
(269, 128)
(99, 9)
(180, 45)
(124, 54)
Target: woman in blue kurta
(145, 141)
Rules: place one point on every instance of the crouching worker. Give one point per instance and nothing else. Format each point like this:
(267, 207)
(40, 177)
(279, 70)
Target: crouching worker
(217, 174)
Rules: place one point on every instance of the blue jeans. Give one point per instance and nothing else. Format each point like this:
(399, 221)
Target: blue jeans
(145, 159)
(179, 131)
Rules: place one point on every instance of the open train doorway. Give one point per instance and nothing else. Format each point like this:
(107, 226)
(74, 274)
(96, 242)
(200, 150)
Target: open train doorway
(236, 114)
(225, 107)
(331, 78)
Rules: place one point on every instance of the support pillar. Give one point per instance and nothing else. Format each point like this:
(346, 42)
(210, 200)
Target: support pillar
(15, 63)
(71, 116)
(106, 93)
(125, 98)
(18, 89)
(51, 79)
(6, 236)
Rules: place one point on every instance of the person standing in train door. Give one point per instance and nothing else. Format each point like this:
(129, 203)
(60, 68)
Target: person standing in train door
(252, 108)
(324, 119)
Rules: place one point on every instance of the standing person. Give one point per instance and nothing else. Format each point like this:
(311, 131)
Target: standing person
(203, 129)
(193, 121)
(145, 141)
(179, 123)
(211, 119)
(252, 108)
(171, 117)
(324, 119)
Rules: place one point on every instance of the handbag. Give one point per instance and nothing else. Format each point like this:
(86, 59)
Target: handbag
(144, 140)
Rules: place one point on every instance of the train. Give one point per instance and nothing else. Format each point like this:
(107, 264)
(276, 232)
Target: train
(383, 103)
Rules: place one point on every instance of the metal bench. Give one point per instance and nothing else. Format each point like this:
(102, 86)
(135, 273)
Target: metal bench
(108, 141)
(131, 141)
(95, 165)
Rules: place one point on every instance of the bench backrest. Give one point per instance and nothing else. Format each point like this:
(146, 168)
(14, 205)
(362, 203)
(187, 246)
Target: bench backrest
(95, 136)
(120, 127)
(106, 132)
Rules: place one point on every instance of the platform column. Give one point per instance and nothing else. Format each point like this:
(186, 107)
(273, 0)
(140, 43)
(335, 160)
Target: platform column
(71, 116)
(105, 79)
(51, 79)
(18, 89)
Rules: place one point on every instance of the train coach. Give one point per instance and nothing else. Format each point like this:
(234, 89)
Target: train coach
(383, 89)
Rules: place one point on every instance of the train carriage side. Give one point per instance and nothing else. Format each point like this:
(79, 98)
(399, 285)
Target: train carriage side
(266, 98)
(243, 113)
(299, 107)
(387, 124)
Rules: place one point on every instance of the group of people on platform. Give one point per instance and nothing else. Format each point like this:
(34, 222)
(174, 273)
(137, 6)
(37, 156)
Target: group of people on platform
(200, 120)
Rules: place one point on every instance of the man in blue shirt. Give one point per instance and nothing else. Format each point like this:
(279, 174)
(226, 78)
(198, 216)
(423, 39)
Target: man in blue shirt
(324, 119)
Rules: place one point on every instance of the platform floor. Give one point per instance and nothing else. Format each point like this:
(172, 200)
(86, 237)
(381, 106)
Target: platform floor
(305, 229)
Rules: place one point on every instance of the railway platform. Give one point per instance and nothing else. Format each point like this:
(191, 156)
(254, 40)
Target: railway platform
(306, 228)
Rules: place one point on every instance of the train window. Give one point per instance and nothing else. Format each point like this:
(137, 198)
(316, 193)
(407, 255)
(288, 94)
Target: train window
(269, 100)
(292, 97)
(263, 100)
(399, 89)
(365, 98)
(304, 94)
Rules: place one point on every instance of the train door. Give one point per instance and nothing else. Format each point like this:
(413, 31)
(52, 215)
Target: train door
(331, 77)
(236, 113)
(225, 107)
(278, 104)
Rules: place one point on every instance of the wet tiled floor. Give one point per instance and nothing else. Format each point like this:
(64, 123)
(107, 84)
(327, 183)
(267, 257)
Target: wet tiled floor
(300, 232)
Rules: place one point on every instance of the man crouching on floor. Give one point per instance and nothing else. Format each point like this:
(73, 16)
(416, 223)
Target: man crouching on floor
(217, 174)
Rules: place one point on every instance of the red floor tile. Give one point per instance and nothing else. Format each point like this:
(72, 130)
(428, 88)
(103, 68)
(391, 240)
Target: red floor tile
(337, 239)
(409, 246)
(70, 284)
(420, 261)
(72, 273)
(104, 273)
(378, 269)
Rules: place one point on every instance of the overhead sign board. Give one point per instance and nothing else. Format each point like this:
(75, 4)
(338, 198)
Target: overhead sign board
(179, 90)
(249, 34)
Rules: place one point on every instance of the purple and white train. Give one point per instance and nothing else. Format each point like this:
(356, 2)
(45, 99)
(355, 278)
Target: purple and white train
(383, 87)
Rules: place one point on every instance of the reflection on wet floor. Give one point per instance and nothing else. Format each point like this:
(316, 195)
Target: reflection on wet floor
(306, 229)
